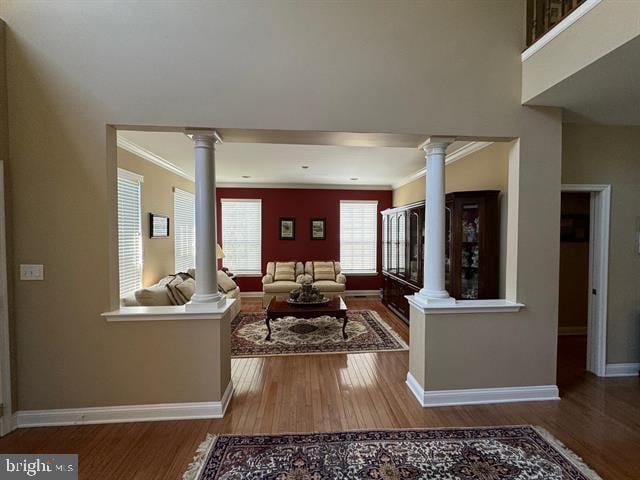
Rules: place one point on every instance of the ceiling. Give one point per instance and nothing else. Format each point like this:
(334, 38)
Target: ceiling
(606, 92)
(271, 163)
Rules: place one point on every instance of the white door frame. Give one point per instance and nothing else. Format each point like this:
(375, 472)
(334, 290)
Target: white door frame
(599, 219)
(6, 421)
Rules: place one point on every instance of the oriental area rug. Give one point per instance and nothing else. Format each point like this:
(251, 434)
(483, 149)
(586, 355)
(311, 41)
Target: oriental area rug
(366, 332)
(494, 453)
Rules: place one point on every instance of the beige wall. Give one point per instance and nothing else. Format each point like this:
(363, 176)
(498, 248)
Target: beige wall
(508, 349)
(361, 66)
(486, 169)
(610, 155)
(606, 27)
(157, 197)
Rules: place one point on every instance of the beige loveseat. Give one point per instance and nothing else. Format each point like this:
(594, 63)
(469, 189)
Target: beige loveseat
(282, 277)
(178, 289)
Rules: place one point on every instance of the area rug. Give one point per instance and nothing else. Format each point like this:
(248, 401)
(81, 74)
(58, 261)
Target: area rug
(366, 332)
(493, 453)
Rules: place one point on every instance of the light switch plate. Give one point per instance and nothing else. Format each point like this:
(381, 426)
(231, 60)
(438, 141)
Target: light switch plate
(31, 272)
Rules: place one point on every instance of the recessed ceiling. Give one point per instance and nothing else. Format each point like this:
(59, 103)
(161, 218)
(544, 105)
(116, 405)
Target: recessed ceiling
(268, 163)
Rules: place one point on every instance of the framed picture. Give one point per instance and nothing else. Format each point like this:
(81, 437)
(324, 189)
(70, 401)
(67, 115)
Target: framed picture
(158, 225)
(287, 229)
(574, 228)
(317, 229)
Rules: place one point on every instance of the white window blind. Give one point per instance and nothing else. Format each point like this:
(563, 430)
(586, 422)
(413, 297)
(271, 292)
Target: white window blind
(358, 236)
(242, 235)
(184, 228)
(129, 231)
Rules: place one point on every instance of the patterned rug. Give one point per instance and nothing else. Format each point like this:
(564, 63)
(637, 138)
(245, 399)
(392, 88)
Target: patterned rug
(366, 332)
(494, 453)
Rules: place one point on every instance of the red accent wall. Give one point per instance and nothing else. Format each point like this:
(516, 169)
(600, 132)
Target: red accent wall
(303, 205)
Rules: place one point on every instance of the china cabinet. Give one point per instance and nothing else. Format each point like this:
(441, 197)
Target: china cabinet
(472, 249)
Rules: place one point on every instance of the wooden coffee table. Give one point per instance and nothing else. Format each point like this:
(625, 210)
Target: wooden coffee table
(280, 308)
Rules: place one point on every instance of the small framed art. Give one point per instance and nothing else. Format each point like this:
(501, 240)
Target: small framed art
(318, 229)
(287, 229)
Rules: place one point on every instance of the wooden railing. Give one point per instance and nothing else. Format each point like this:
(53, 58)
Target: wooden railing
(543, 15)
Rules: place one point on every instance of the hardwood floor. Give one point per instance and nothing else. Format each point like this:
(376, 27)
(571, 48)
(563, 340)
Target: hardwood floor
(599, 419)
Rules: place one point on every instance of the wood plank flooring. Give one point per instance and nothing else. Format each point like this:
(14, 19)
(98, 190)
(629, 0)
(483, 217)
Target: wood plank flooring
(597, 418)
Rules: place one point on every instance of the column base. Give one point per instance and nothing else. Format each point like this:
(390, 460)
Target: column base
(207, 302)
(433, 298)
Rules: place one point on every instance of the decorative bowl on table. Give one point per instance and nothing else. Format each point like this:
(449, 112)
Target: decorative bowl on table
(307, 294)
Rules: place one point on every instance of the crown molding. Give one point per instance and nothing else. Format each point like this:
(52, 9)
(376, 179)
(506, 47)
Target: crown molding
(304, 186)
(462, 152)
(141, 152)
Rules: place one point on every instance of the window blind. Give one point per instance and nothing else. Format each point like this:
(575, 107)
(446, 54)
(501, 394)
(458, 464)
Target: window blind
(358, 236)
(129, 232)
(242, 235)
(184, 228)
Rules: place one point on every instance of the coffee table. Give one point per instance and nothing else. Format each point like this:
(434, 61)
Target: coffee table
(335, 308)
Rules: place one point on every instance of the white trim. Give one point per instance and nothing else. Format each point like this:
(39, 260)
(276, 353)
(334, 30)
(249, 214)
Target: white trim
(598, 273)
(360, 273)
(177, 312)
(477, 396)
(125, 413)
(454, 156)
(622, 369)
(572, 331)
(362, 293)
(141, 152)
(565, 23)
(6, 421)
(465, 306)
(251, 294)
(304, 186)
(248, 274)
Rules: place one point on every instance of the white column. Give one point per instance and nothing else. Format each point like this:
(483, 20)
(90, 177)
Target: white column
(207, 294)
(433, 291)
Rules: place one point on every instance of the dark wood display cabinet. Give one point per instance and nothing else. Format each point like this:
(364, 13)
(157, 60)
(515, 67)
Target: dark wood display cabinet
(472, 249)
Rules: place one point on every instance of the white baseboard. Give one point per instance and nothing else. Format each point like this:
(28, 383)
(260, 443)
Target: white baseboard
(572, 330)
(476, 396)
(622, 370)
(251, 294)
(124, 413)
(362, 293)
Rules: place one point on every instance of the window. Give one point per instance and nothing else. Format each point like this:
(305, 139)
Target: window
(358, 236)
(242, 235)
(184, 227)
(129, 231)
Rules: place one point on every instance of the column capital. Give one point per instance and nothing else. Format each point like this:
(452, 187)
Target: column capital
(436, 144)
(206, 138)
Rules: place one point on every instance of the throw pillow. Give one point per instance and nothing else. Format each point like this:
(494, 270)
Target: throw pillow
(174, 294)
(285, 271)
(225, 283)
(155, 296)
(187, 288)
(324, 271)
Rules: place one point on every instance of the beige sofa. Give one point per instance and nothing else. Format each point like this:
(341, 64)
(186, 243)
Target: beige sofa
(282, 277)
(178, 289)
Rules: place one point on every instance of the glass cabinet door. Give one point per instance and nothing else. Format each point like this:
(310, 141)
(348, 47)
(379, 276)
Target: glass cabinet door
(393, 243)
(470, 251)
(414, 245)
(385, 243)
(402, 243)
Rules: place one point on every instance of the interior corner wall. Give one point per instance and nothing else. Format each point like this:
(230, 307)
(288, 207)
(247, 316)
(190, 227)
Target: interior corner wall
(593, 154)
(4, 158)
(486, 169)
(157, 197)
(303, 205)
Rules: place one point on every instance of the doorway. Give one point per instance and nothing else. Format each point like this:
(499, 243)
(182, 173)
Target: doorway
(584, 254)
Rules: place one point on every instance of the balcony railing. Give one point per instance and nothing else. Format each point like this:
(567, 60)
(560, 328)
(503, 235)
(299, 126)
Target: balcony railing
(543, 15)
